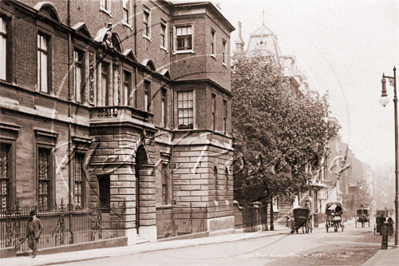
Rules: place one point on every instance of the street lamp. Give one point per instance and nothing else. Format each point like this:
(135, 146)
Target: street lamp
(384, 101)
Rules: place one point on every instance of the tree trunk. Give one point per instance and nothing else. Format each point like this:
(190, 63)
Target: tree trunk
(271, 214)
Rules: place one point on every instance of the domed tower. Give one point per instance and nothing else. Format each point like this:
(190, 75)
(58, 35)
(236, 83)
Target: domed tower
(265, 40)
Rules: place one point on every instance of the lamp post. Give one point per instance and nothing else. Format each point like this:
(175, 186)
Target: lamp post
(384, 101)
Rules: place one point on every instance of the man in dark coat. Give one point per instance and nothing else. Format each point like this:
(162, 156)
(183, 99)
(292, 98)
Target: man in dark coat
(33, 231)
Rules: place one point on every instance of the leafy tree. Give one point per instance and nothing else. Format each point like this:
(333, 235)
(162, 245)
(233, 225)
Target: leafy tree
(278, 133)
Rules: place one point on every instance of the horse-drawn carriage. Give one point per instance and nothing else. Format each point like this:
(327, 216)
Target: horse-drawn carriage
(301, 219)
(334, 213)
(362, 216)
(380, 219)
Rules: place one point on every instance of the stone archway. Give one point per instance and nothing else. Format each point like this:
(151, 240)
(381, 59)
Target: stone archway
(145, 196)
(141, 161)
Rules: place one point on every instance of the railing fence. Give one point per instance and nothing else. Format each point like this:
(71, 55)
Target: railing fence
(60, 227)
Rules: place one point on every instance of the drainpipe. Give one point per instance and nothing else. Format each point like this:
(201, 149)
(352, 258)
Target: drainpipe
(69, 109)
(135, 52)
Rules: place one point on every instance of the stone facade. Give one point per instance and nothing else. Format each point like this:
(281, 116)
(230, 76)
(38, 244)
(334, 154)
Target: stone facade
(99, 108)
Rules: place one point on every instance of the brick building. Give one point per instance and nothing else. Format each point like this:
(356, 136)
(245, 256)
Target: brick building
(122, 106)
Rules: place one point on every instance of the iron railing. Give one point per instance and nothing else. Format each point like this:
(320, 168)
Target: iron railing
(179, 221)
(60, 227)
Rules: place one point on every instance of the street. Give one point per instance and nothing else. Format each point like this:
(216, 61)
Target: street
(354, 246)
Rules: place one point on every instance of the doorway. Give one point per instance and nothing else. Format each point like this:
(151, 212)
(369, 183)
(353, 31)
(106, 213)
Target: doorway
(141, 160)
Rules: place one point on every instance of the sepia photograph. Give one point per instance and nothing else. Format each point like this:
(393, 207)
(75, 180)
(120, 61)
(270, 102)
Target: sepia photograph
(191, 132)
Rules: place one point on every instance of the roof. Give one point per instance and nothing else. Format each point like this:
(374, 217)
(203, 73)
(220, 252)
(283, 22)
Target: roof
(262, 31)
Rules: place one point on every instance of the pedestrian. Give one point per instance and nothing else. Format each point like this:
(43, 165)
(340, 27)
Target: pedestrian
(33, 231)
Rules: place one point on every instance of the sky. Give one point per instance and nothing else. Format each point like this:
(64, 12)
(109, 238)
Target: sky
(343, 47)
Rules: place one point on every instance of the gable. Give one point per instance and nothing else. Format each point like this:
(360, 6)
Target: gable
(81, 29)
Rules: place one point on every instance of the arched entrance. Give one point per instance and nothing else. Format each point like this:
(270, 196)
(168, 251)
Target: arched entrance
(141, 160)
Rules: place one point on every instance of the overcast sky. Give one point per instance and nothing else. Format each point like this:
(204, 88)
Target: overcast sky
(343, 46)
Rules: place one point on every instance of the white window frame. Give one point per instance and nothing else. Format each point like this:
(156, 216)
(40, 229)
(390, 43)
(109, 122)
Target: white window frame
(213, 110)
(148, 23)
(192, 50)
(213, 43)
(42, 70)
(126, 8)
(147, 95)
(164, 107)
(164, 35)
(3, 48)
(224, 54)
(193, 108)
(127, 87)
(105, 6)
(78, 64)
(105, 87)
(224, 116)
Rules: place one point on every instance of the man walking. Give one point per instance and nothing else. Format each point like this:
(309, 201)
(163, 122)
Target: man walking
(33, 231)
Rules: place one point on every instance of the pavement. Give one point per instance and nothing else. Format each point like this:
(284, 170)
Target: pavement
(389, 256)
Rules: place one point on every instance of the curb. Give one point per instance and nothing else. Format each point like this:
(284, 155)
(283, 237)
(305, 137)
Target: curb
(183, 245)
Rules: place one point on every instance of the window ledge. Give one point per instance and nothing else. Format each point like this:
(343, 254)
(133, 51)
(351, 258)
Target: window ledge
(214, 57)
(127, 25)
(184, 52)
(164, 48)
(146, 37)
(106, 11)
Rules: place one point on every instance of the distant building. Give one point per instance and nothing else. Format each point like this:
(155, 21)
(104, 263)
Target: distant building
(266, 41)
